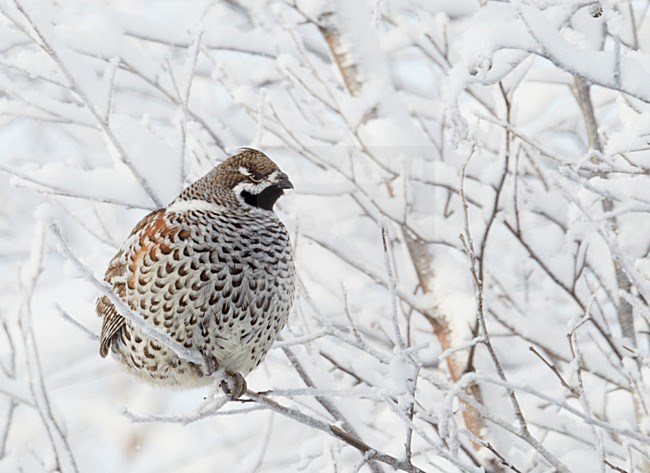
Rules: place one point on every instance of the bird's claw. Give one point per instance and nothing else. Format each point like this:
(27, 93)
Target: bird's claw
(234, 385)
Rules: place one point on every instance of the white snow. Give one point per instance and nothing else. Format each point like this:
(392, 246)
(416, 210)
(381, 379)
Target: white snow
(121, 104)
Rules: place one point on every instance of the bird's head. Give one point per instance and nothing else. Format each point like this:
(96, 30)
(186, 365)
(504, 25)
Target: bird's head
(248, 178)
(253, 178)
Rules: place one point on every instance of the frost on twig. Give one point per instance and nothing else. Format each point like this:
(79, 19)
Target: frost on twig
(124, 309)
(37, 395)
(409, 349)
(42, 41)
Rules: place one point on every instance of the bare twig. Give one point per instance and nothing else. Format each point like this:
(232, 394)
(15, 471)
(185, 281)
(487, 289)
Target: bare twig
(325, 402)
(468, 244)
(68, 318)
(124, 309)
(555, 371)
(58, 439)
(45, 45)
(333, 430)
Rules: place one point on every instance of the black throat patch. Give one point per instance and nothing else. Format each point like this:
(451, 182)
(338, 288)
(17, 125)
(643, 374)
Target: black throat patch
(265, 199)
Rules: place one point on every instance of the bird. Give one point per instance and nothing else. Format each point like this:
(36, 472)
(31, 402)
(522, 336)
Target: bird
(214, 270)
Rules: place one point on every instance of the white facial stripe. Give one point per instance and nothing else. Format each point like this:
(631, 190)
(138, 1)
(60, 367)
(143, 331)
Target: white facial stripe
(252, 187)
(244, 171)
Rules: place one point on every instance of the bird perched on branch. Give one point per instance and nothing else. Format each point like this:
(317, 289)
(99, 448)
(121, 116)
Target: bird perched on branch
(214, 270)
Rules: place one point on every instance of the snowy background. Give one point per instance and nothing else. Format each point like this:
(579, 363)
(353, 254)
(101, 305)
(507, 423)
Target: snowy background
(470, 218)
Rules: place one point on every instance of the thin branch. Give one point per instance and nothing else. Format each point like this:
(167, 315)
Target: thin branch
(555, 371)
(124, 309)
(468, 244)
(332, 430)
(75, 87)
(30, 273)
(325, 402)
(68, 318)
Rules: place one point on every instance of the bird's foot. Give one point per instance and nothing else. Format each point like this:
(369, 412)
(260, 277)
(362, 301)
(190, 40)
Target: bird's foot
(234, 385)
(207, 368)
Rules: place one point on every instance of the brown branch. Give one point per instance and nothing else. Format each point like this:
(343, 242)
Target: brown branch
(326, 403)
(555, 371)
(502, 460)
(340, 55)
(624, 308)
(523, 430)
(614, 467)
(335, 431)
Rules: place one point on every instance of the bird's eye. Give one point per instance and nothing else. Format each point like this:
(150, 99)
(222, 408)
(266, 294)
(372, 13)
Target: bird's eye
(256, 177)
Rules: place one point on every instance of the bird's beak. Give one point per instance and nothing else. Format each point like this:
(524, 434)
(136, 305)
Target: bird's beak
(283, 182)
